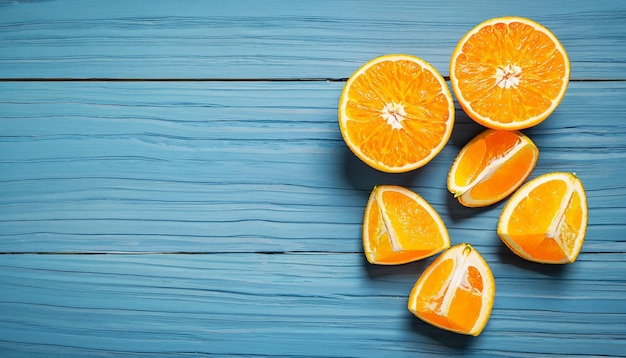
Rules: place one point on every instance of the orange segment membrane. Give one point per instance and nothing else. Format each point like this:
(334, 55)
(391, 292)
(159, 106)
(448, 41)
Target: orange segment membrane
(533, 217)
(538, 62)
(455, 292)
(483, 152)
(395, 116)
(491, 166)
(399, 229)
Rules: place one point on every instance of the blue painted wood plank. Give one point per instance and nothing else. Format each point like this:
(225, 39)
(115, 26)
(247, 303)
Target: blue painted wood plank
(295, 305)
(254, 179)
(250, 167)
(275, 39)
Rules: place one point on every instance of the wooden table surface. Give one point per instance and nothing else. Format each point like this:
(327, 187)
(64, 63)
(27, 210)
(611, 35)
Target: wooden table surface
(173, 182)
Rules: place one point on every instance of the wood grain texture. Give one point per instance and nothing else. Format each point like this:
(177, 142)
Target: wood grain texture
(249, 167)
(255, 180)
(278, 39)
(220, 218)
(294, 305)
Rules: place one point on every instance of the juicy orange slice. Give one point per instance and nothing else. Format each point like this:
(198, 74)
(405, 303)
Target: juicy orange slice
(396, 113)
(399, 226)
(509, 73)
(491, 166)
(455, 292)
(546, 219)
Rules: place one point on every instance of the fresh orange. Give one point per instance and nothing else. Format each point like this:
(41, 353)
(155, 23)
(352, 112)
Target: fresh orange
(455, 292)
(509, 73)
(546, 219)
(491, 166)
(396, 113)
(399, 226)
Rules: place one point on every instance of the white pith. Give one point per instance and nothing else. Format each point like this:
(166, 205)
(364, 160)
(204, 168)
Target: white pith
(508, 76)
(395, 243)
(462, 262)
(465, 191)
(386, 222)
(553, 232)
(512, 125)
(394, 114)
(463, 257)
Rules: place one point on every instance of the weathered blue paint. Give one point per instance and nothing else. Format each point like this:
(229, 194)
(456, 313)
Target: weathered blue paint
(225, 216)
(278, 38)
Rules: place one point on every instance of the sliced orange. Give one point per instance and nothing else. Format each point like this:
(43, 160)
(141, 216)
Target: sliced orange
(455, 292)
(396, 113)
(491, 166)
(546, 219)
(509, 73)
(399, 226)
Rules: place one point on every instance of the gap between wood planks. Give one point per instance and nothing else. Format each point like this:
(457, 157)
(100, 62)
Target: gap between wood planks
(106, 79)
(211, 79)
(131, 253)
(166, 253)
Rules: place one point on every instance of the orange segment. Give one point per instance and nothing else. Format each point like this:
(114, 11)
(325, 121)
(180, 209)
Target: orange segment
(455, 292)
(546, 219)
(509, 73)
(396, 113)
(399, 226)
(491, 166)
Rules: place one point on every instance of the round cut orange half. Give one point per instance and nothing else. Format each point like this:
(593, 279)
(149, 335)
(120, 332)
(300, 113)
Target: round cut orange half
(396, 113)
(546, 219)
(399, 226)
(491, 166)
(455, 292)
(509, 73)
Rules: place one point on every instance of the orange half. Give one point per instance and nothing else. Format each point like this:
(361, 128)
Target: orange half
(455, 292)
(491, 166)
(399, 226)
(509, 73)
(546, 219)
(396, 113)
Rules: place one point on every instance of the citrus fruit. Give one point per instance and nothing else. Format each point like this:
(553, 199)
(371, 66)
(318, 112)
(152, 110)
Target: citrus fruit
(546, 219)
(399, 226)
(491, 166)
(509, 73)
(455, 292)
(396, 113)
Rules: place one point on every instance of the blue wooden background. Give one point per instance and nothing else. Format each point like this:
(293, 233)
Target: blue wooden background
(173, 182)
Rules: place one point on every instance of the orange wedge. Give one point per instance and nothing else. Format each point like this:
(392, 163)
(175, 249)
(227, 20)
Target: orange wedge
(399, 226)
(546, 219)
(455, 292)
(491, 166)
(396, 113)
(509, 73)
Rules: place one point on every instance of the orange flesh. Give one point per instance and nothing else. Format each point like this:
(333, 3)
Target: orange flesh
(573, 220)
(542, 65)
(533, 216)
(491, 147)
(414, 228)
(423, 125)
(466, 304)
